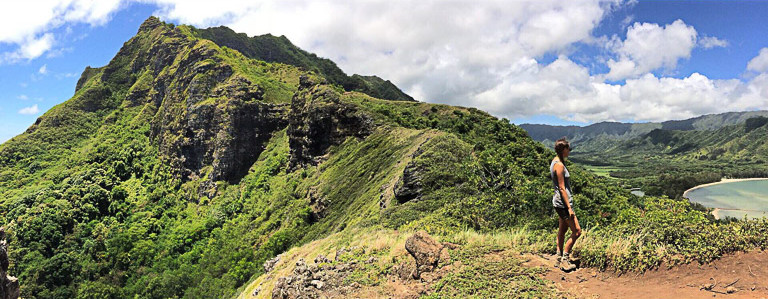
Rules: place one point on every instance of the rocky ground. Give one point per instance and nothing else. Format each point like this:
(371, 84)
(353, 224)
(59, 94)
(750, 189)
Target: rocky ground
(427, 268)
(326, 278)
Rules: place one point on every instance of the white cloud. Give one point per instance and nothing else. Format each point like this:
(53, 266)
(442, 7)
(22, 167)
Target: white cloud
(760, 62)
(709, 42)
(23, 97)
(434, 50)
(28, 24)
(649, 46)
(566, 90)
(484, 54)
(627, 20)
(67, 75)
(31, 110)
(30, 49)
(43, 69)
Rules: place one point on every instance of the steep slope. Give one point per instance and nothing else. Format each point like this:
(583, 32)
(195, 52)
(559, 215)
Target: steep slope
(271, 48)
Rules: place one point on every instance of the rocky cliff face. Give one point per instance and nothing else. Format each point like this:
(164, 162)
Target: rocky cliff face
(207, 114)
(210, 121)
(9, 285)
(319, 120)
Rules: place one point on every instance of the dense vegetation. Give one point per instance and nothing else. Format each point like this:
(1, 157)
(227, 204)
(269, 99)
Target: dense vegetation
(668, 162)
(134, 187)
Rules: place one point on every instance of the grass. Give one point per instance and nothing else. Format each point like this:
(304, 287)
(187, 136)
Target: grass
(603, 171)
(491, 264)
(490, 274)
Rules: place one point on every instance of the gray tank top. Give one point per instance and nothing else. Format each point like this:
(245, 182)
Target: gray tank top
(557, 201)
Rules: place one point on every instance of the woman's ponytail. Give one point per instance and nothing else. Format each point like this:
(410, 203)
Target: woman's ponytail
(560, 146)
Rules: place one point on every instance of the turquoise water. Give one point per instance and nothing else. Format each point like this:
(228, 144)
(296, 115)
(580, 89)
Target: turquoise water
(735, 199)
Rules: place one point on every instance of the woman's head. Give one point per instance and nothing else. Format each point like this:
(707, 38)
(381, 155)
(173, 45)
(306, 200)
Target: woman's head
(562, 148)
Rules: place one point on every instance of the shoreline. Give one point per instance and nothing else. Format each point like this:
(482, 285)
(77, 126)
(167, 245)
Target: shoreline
(722, 181)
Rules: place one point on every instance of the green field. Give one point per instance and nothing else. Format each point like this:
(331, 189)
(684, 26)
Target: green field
(603, 171)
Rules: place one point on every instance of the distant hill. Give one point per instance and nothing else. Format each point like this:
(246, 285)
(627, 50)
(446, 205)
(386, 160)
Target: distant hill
(615, 130)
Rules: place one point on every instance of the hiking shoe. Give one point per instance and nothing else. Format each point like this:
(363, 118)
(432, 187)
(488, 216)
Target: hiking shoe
(574, 259)
(557, 261)
(566, 264)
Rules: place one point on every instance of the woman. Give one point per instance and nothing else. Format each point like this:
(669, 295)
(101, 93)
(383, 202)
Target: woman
(563, 204)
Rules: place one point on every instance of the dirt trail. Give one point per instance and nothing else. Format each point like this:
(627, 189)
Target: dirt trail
(746, 272)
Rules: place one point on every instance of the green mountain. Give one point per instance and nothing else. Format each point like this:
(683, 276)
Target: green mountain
(270, 48)
(742, 141)
(610, 131)
(183, 165)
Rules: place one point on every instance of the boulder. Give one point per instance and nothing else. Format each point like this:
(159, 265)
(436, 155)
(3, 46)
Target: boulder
(425, 250)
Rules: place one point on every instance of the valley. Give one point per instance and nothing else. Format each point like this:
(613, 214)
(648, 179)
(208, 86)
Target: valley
(675, 156)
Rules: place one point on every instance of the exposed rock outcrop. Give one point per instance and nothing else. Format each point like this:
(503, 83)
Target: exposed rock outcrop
(318, 203)
(205, 113)
(409, 186)
(319, 120)
(270, 264)
(323, 279)
(426, 251)
(9, 285)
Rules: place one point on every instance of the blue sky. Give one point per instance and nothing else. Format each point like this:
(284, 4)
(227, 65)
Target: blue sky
(558, 62)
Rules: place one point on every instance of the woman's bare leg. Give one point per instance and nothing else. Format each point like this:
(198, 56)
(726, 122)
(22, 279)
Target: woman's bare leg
(573, 224)
(561, 235)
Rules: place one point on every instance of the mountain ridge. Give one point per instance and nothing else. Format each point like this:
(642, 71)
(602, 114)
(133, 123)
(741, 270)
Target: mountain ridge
(270, 48)
(619, 130)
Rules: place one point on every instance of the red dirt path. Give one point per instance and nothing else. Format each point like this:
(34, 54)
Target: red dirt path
(748, 270)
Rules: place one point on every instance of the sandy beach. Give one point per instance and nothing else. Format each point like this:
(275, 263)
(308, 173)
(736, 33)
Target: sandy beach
(723, 181)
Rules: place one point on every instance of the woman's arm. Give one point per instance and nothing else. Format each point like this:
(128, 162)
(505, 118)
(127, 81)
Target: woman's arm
(561, 186)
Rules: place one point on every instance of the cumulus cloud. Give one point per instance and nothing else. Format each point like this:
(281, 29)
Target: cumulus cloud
(484, 54)
(43, 69)
(28, 24)
(760, 62)
(649, 46)
(709, 42)
(434, 50)
(30, 49)
(565, 89)
(31, 110)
